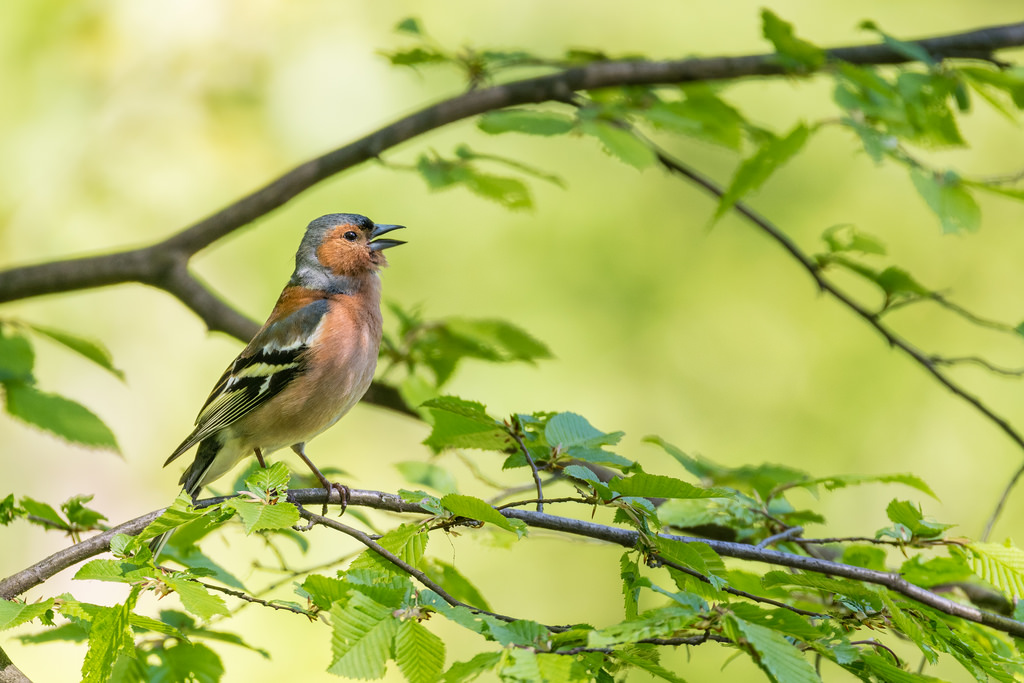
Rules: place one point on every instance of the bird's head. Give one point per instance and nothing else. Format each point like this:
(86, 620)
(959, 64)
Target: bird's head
(341, 246)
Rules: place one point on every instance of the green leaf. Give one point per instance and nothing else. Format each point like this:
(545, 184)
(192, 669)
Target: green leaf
(408, 542)
(363, 633)
(94, 351)
(80, 516)
(850, 589)
(660, 623)
(793, 52)
(173, 517)
(324, 591)
(569, 430)
(701, 115)
(776, 655)
(465, 424)
(909, 515)
(45, 512)
(113, 570)
(271, 480)
(503, 341)
(110, 635)
(511, 193)
(415, 57)
(697, 556)
(58, 415)
(8, 510)
(754, 171)
(16, 613)
(520, 665)
(16, 356)
(841, 238)
(620, 143)
(909, 50)
(418, 653)
(258, 515)
(898, 282)
(190, 662)
(428, 474)
(647, 665)
(457, 585)
(410, 25)
(946, 195)
(1000, 565)
(525, 121)
(470, 670)
(646, 485)
(195, 598)
(474, 508)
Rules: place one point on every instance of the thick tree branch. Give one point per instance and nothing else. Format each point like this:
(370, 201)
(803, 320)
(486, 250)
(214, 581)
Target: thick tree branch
(33, 576)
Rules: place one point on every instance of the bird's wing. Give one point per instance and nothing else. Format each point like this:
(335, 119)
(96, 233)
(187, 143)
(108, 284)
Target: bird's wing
(271, 361)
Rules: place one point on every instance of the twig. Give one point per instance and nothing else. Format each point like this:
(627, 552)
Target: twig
(403, 565)
(875, 643)
(515, 432)
(681, 640)
(872, 319)
(782, 536)
(566, 499)
(978, 360)
(256, 601)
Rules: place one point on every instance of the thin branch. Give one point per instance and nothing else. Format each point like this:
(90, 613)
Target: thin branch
(28, 578)
(256, 601)
(515, 432)
(403, 565)
(681, 640)
(872, 319)
(977, 360)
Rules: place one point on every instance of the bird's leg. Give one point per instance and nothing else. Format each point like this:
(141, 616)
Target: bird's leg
(343, 491)
(259, 457)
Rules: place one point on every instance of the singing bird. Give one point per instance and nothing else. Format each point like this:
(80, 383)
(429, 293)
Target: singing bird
(308, 365)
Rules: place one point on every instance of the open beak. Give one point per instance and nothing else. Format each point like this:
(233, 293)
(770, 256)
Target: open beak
(381, 244)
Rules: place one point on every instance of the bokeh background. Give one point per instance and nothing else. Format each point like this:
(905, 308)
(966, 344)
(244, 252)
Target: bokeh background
(122, 122)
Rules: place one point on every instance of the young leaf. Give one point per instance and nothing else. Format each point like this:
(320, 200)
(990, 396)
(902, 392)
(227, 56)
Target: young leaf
(363, 633)
(793, 52)
(776, 655)
(266, 480)
(1000, 565)
(909, 515)
(410, 25)
(408, 542)
(464, 424)
(842, 481)
(195, 598)
(658, 623)
(620, 143)
(61, 416)
(110, 635)
(8, 510)
(753, 172)
(16, 356)
(568, 430)
(840, 238)
(44, 512)
(646, 485)
(16, 613)
(94, 351)
(525, 121)
(258, 516)
(324, 591)
(946, 195)
(474, 508)
(185, 661)
(418, 652)
(701, 115)
(470, 670)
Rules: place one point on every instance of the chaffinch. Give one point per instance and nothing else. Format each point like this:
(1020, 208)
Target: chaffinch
(311, 361)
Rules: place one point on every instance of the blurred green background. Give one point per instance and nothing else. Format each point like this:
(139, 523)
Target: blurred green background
(123, 122)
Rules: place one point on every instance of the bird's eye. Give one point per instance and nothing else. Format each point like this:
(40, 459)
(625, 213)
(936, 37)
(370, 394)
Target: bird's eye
(350, 236)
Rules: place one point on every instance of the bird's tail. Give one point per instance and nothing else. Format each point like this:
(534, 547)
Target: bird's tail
(190, 481)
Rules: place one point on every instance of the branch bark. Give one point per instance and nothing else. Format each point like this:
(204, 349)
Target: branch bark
(18, 583)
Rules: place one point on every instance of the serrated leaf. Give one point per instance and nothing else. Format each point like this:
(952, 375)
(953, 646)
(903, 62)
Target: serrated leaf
(519, 665)
(568, 430)
(525, 121)
(8, 510)
(428, 474)
(190, 662)
(92, 350)
(16, 356)
(909, 515)
(58, 415)
(471, 669)
(697, 556)
(755, 170)
(457, 585)
(776, 655)
(195, 598)
(646, 485)
(45, 512)
(258, 516)
(511, 193)
(475, 508)
(418, 653)
(112, 570)
(701, 115)
(947, 197)
(1000, 565)
(793, 51)
(464, 424)
(647, 665)
(659, 623)
(171, 518)
(324, 591)
(110, 635)
(620, 143)
(408, 542)
(16, 613)
(269, 479)
(362, 635)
